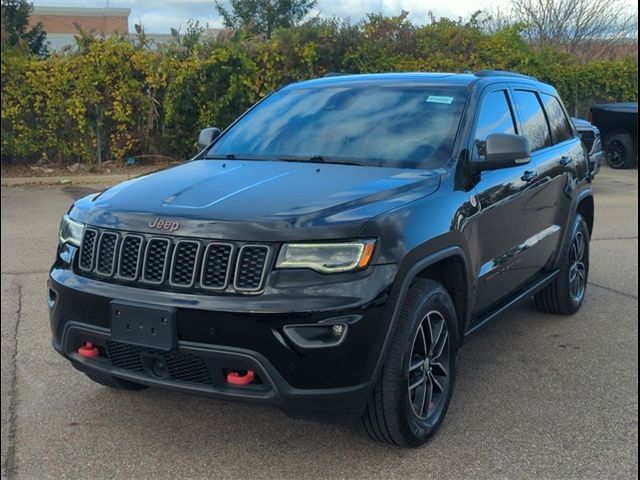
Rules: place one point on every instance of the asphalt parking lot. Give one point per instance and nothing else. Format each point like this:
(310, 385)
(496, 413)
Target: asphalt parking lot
(538, 396)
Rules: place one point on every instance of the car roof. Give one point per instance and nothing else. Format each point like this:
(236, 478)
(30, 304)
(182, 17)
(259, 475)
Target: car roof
(461, 80)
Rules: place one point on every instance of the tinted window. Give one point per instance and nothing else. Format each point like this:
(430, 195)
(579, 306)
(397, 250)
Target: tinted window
(408, 127)
(560, 126)
(495, 117)
(534, 121)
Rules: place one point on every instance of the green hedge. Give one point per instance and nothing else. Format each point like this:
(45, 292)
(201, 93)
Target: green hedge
(120, 98)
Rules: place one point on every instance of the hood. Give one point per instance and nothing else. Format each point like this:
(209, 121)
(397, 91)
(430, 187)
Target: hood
(256, 200)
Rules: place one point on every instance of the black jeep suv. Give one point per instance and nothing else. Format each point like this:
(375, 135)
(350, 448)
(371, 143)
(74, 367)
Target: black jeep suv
(329, 251)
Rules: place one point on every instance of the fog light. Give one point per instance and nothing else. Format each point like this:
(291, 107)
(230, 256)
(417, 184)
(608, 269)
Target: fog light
(316, 335)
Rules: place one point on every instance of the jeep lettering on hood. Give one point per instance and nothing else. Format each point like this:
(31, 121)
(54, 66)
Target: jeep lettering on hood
(164, 225)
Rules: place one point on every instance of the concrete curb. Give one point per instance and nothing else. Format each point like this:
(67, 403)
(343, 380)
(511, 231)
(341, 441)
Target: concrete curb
(64, 180)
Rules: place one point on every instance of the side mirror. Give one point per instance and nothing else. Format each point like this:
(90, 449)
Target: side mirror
(207, 136)
(504, 150)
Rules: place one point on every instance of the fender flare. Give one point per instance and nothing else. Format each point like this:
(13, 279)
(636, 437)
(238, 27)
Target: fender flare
(402, 288)
(584, 194)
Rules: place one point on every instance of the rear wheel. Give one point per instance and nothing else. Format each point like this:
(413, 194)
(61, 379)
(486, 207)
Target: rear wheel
(411, 398)
(619, 151)
(566, 294)
(113, 382)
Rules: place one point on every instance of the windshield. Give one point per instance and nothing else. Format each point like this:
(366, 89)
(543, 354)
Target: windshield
(406, 127)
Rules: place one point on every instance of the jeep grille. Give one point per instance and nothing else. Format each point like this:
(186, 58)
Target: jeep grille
(173, 263)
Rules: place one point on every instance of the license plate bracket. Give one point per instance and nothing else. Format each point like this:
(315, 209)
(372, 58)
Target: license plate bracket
(144, 325)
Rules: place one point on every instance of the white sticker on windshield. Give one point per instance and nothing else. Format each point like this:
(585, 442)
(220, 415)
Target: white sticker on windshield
(440, 99)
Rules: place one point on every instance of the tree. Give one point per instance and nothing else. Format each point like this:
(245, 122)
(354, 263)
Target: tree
(16, 31)
(264, 16)
(588, 28)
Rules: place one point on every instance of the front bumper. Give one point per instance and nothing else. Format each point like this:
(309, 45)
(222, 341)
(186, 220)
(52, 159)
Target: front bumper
(342, 405)
(221, 333)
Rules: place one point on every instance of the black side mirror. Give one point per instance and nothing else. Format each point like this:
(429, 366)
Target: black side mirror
(207, 136)
(502, 150)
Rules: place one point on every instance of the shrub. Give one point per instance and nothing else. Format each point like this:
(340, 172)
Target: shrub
(117, 97)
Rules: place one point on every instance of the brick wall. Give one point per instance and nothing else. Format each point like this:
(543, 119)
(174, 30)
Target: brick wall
(61, 20)
(65, 23)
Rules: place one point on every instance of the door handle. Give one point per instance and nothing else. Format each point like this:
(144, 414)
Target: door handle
(566, 160)
(529, 176)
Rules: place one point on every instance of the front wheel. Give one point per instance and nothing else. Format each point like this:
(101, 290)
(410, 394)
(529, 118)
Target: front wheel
(566, 294)
(411, 398)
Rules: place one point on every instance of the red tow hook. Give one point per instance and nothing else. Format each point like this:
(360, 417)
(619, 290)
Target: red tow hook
(89, 350)
(234, 378)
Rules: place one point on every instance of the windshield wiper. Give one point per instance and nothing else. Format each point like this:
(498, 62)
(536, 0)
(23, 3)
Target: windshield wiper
(283, 158)
(227, 156)
(318, 159)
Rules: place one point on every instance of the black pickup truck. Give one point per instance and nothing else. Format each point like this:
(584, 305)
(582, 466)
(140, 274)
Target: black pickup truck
(331, 250)
(618, 124)
(592, 140)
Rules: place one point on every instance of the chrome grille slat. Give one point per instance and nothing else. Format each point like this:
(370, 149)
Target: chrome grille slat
(107, 253)
(251, 267)
(173, 263)
(130, 256)
(216, 266)
(156, 254)
(184, 263)
(87, 249)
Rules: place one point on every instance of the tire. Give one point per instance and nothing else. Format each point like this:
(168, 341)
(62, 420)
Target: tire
(620, 151)
(564, 296)
(113, 382)
(396, 413)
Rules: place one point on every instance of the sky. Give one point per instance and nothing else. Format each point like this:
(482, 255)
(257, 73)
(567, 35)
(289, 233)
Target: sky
(159, 16)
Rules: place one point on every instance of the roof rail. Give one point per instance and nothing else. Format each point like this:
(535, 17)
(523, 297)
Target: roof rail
(503, 73)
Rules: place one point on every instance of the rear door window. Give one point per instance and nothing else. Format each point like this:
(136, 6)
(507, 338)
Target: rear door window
(560, 127)
(534, 121)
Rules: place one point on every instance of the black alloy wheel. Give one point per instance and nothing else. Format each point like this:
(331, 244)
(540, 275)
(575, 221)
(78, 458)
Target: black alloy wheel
(567, 292)
(410, 398)
(428, 375)
(616, 153)
(578, 268)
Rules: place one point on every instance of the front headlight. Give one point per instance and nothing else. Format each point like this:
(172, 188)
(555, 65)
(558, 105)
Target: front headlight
(71, 231)
(327, 257)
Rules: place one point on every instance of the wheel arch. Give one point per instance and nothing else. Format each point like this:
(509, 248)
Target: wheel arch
(451, 273)
(586, 208)
(449, 267)
(584, 205)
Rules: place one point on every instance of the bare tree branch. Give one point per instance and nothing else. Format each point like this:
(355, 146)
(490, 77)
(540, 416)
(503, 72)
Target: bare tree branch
(586, 28)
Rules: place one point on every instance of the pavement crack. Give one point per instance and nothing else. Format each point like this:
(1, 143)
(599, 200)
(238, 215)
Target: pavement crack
(10, 464)
(613, 238)
(613, 290)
